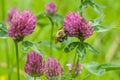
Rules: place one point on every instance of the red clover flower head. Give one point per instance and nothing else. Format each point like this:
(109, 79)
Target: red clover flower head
(21, 24)
(53, 68)
(34, 65)
(11, 13)
(50, 8)
(76, 26)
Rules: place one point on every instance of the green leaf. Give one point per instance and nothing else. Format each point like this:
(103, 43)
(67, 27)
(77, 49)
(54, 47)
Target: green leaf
(41, 16)
(81, 51)
(3, 31)
(90, 48)
(61, 46)
(98, 70)
(57, 19)
(47, 44)
(41, 24)
(58, 78)
(28, 44)
(71, 46)
(37, 49)
(92, 68)
(54, 79)
(99, 28)
(109, 67)
(97, 21)
(27, 77)
(83, 6)
(96, 7)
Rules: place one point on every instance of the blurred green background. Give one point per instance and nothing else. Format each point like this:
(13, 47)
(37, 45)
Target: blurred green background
(107, 43)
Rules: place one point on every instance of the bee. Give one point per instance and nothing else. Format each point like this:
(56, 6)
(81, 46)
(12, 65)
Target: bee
(61, 35)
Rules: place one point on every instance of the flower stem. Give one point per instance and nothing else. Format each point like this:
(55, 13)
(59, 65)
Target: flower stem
(75, 67)
(51, 36)
(82, 10)
(17, 58)
(74, 59)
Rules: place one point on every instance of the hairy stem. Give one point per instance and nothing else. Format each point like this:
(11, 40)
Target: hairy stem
(51, 36)
(75, 68)
(74, 59)
(73, 65)
(76, 63)
(82, 10)
(17, 59)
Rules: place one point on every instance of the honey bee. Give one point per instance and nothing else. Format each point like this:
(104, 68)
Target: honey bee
(61, 35)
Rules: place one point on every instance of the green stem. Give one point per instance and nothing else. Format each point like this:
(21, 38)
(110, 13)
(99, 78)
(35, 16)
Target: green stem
(74, 59)
(75, 68)
(73, 65)
(51, 36)
(82, 10)
(17, 58)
